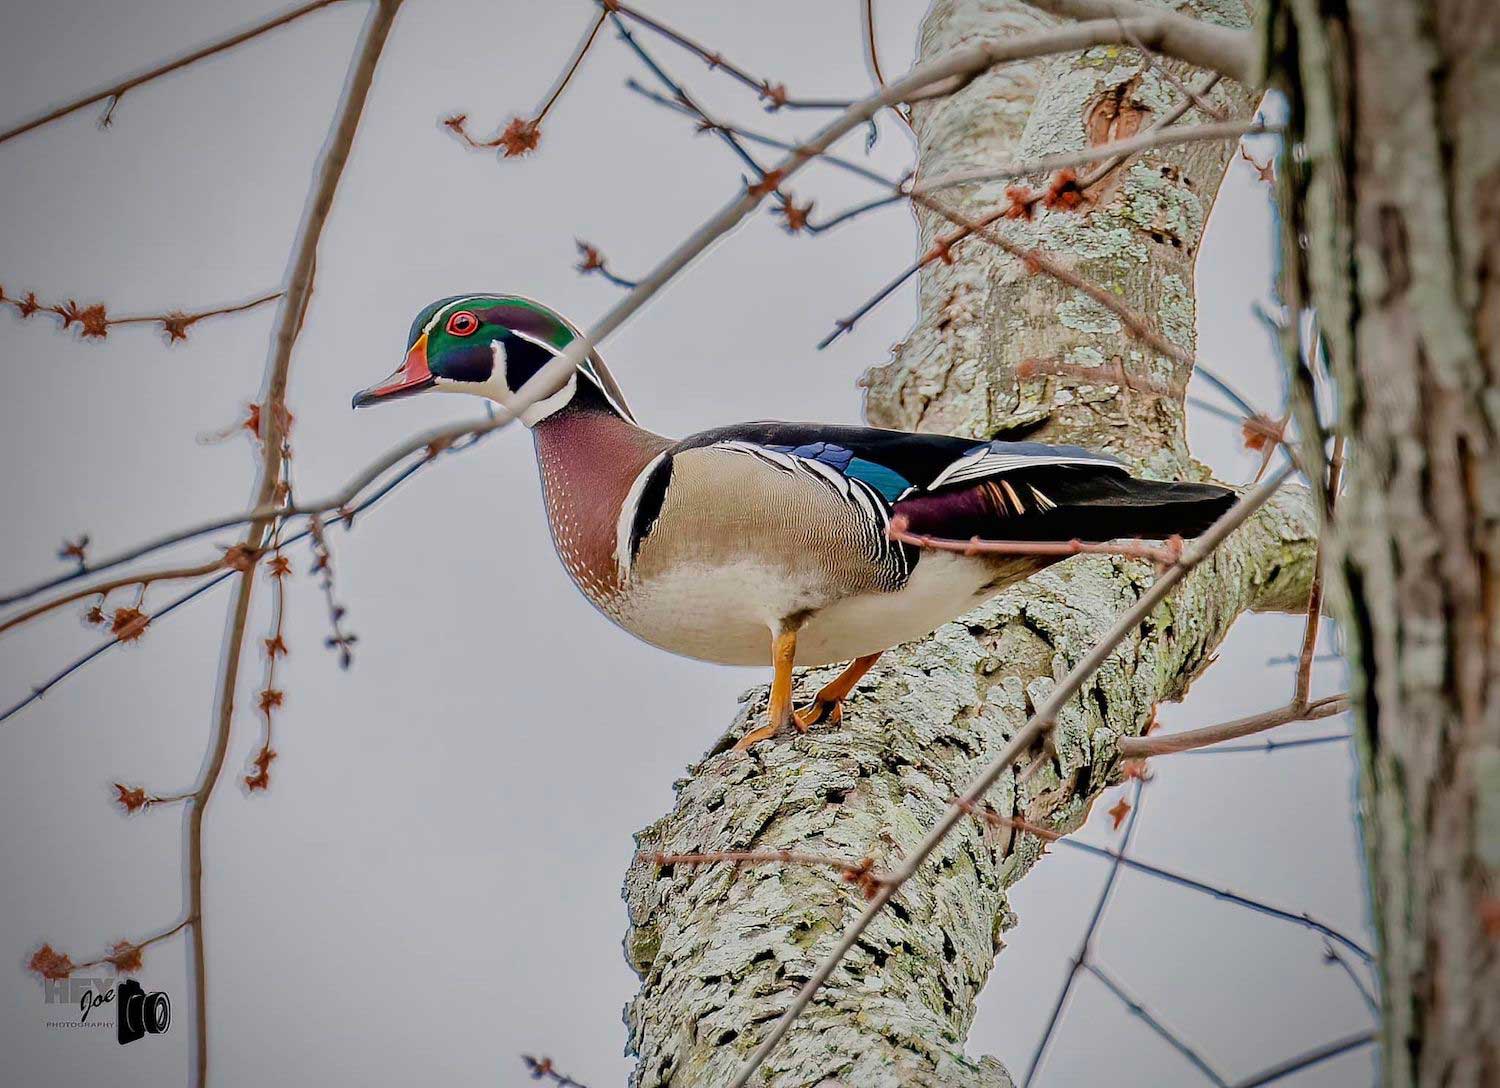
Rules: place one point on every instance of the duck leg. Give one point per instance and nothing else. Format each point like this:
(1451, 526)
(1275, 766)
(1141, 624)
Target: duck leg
(829, 702)
(779, 712)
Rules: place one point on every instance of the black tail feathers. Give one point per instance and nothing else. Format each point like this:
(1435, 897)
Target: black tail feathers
(1068, 503)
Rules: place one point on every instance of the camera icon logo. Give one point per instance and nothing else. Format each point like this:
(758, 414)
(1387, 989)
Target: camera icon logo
(141, 1013)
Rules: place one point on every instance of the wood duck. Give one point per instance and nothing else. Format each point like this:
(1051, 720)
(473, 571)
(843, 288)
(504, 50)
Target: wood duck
(767, 543)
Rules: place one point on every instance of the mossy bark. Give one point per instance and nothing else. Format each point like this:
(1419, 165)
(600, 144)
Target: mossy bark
(1393, 235)
(721, 950)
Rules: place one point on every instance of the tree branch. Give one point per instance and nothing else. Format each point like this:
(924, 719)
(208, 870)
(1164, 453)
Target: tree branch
(1168, 743)
(116, 90)
(284, 337)
(1201, 43)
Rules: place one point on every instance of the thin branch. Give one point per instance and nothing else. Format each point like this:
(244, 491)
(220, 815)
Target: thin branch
(1331, 956)
(686, 102)
(1172, 1038)
(1168, 743)
(563, 80)
(1035, 260)
(289, 320)
(1306, 1060)
(1036, 729)
(1269, 745)
(1171, 117)
(339, 639)
(136, 799)
(367, 503)
(94, 322)
(167, 575)
(743, 133)
(270, 697)
(773, 94)
(1305, 659)
(873, 52)
(1182, 36)
(592, 262)
(124, 957)
(1162, 556)
(1085, 945)
(543, 1069)
(115, 91)
(521, 135)
(1163, 134)
(1306, 921)
(1197, 98)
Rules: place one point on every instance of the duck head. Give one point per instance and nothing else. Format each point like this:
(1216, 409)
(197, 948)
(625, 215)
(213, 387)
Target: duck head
(490, 346)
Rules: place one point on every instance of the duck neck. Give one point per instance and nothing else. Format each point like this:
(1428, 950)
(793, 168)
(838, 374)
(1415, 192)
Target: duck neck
(588, 457)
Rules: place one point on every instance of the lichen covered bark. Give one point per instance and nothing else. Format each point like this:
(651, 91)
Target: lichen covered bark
(1395, 239)
(721, 950)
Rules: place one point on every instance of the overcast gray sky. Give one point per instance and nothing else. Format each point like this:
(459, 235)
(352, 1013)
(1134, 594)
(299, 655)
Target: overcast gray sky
(431, 887)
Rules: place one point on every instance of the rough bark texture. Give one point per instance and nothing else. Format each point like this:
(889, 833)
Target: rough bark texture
(722, 950)
(1397, 197)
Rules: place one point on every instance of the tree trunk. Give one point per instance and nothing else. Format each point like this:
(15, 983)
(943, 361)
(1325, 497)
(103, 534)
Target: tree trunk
(720, 950)
(1397, 203)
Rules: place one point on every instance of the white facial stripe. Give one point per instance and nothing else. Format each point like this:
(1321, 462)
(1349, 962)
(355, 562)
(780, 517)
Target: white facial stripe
(445, 310)
(586, 368)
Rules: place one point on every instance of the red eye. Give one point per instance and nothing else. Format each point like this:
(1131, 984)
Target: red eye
(463, 323)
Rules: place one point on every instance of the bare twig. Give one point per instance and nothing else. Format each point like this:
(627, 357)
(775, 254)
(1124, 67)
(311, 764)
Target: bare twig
(1172, 1038)
(1305, 659)
(1306, 921)
(124, 956)
(1306, 1059)
(774, 95)
(1270, 745)
(687, 103)
(1331, 955)
(521, 135)
(543, 1069)
(288, 324)
(1194, 40)
(270, 697)
(149, 577)
(338, 638)
(592, 262)
(1169, 743)
(367, 503)
(1085, 945)
(115, 91)
(873, 52)
(93, 321)
(1163, 134)
(752, 136)
(1197, 98)
(1162, 556)
(1021, 204)
(1036, 729)
(1037, 261)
